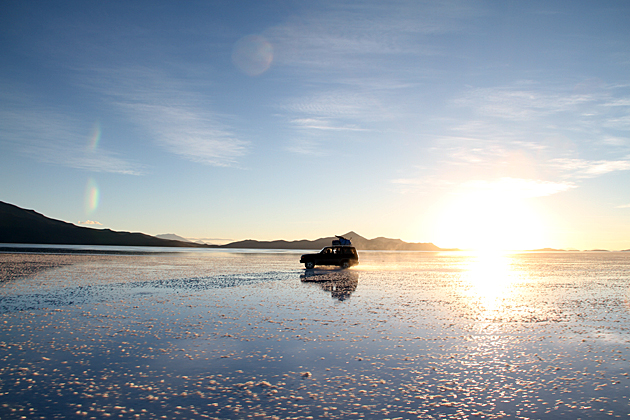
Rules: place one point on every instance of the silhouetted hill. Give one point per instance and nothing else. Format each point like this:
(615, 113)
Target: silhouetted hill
(359, 242)
(18, 225)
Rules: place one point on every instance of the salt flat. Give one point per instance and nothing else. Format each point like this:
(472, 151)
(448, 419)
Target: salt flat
(215, 334)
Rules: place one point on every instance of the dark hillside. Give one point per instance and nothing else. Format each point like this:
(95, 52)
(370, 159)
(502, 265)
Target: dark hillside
(18, 225)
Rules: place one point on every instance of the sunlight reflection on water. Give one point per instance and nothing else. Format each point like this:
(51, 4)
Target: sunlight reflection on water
(491, 277)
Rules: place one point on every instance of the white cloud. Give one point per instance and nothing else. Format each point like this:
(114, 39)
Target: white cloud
(521, 188)
(624, 206)
(543, 125)
(358, 61)
(618, 123)
(508, 187)
(514, 103)
(316, 118)
(624, 102)
(89, 222)
(53, 137)
(337, 104)
(345, 34)
(582, 168)
(179, 119)
(614, 141)
(420, 185)
(321, 124)
(303, 146)
(188, 132)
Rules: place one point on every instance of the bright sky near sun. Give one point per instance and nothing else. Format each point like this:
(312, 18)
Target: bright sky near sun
(468, 124)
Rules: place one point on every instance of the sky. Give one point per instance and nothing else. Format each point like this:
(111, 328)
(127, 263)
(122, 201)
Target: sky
(467, 124)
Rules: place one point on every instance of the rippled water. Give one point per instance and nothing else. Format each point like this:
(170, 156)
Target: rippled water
(213, 334)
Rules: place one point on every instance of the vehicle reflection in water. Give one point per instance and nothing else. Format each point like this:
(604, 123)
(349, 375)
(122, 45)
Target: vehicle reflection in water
(340, 283)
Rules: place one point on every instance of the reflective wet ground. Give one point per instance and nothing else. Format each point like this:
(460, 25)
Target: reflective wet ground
(254, 335)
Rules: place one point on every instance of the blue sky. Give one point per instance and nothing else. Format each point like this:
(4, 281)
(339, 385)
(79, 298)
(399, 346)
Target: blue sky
(465, 124)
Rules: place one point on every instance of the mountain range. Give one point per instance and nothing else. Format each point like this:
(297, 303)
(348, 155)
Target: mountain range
(18, 225)
(359, 242)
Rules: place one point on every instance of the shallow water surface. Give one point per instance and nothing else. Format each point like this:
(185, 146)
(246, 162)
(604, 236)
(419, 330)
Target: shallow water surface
(241, 334)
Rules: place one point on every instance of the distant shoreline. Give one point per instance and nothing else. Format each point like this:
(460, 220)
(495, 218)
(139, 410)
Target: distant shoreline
(85, 249)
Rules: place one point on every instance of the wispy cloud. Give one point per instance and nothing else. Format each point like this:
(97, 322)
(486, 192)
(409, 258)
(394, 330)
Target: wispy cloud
(614, 141)
(623, 206)
(53, 137)
(322, 118)
(321, 124)
(344, 34)
(307, 147)
(538, 110)
(514, 103)
(624, 102)
(506, 186)
(420, 185)
(582, 168)
(359, 62)
(178, 118)
(342, 103)
(552, 125)
(319, 117)
(188, 131)
(521, 188)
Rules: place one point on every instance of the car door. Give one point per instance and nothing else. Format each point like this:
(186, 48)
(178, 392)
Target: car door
(326, 256)
(337, 255)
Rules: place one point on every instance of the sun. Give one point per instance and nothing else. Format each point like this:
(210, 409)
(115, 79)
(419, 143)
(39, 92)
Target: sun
(490, 220)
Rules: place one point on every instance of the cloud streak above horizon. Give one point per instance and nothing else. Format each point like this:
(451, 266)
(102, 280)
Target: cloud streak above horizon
(50, 136)
(178, 119)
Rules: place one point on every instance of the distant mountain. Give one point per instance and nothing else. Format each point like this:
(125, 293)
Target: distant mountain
(359, 242)
(172, 237)
(18, 225)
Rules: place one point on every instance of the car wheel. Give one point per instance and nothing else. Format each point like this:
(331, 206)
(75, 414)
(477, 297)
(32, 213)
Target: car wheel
(345, 264)
(310, 265)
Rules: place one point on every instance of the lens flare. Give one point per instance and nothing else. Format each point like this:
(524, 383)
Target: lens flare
(92, 196)
(95, 137)
(252, 54)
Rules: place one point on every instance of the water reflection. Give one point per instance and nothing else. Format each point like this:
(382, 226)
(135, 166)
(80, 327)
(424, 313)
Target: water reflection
(15, 267)
(488, 282)
(340, 283)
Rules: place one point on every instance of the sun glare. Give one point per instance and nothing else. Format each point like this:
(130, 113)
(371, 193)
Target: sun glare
(489, 273)
(490, 221)
(490, 284)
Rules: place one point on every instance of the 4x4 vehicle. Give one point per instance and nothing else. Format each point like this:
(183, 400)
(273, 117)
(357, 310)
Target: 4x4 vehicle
(342, 255)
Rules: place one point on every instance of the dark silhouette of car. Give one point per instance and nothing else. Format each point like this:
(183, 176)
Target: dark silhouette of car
(342, 255)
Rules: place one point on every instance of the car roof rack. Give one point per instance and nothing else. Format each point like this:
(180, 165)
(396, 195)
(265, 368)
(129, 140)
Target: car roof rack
(341, 241)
